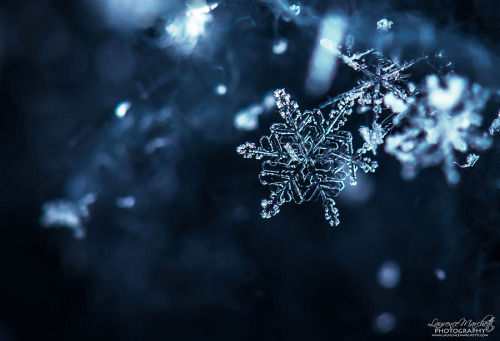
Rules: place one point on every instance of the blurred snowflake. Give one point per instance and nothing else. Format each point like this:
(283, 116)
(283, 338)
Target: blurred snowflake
(444, 120)
(382, 77)
(69, 214)
(308, 157)
(385, 82)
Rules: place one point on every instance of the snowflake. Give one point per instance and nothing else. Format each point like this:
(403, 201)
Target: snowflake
(66, 213)
(445, 120)
(373, 137)
(308, 157)
(381, 77)
(471, 161)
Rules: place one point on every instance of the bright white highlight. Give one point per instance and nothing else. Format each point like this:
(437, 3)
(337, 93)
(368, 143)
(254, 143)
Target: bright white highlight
(280, 46)
(221, 89)
(246, 119)
(384, 25)
(395, 103)
(445, 98)
(186, 29)
(122, 109)
(323, 63)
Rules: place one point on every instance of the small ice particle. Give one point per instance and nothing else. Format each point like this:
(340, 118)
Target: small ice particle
(395, 103)
(384, 323)
(122, 109)
(221, 89)
(185, 30)
(384, 25)
(280, 46)
(125, 202)
(268, 102)
(295, 9)
(440, 274)
(247, 119)
(471, 161)
(495, 125)
(372, 137)
(411, 86)
(66, 213)
(389, 274)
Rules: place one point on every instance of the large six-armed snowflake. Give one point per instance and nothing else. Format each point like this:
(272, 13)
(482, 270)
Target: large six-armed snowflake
(308, 157)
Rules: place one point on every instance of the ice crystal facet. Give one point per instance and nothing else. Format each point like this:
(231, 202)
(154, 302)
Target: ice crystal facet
(308, 157)
(445, 119)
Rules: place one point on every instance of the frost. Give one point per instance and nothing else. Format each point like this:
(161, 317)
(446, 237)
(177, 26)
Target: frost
(495, 125)
(69, 214)
(308, 157)
(384, 25)
(444, 120)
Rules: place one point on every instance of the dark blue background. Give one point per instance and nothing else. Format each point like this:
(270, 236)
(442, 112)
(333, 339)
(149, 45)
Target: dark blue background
(193, 260)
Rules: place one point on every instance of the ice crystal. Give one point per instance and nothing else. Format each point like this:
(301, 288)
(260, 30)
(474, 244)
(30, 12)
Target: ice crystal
(384, 25)
(445, 119)
(67, 213)
(308, 157)
(495, 125)
(471, 161)
(372, 137)
(384, 80)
